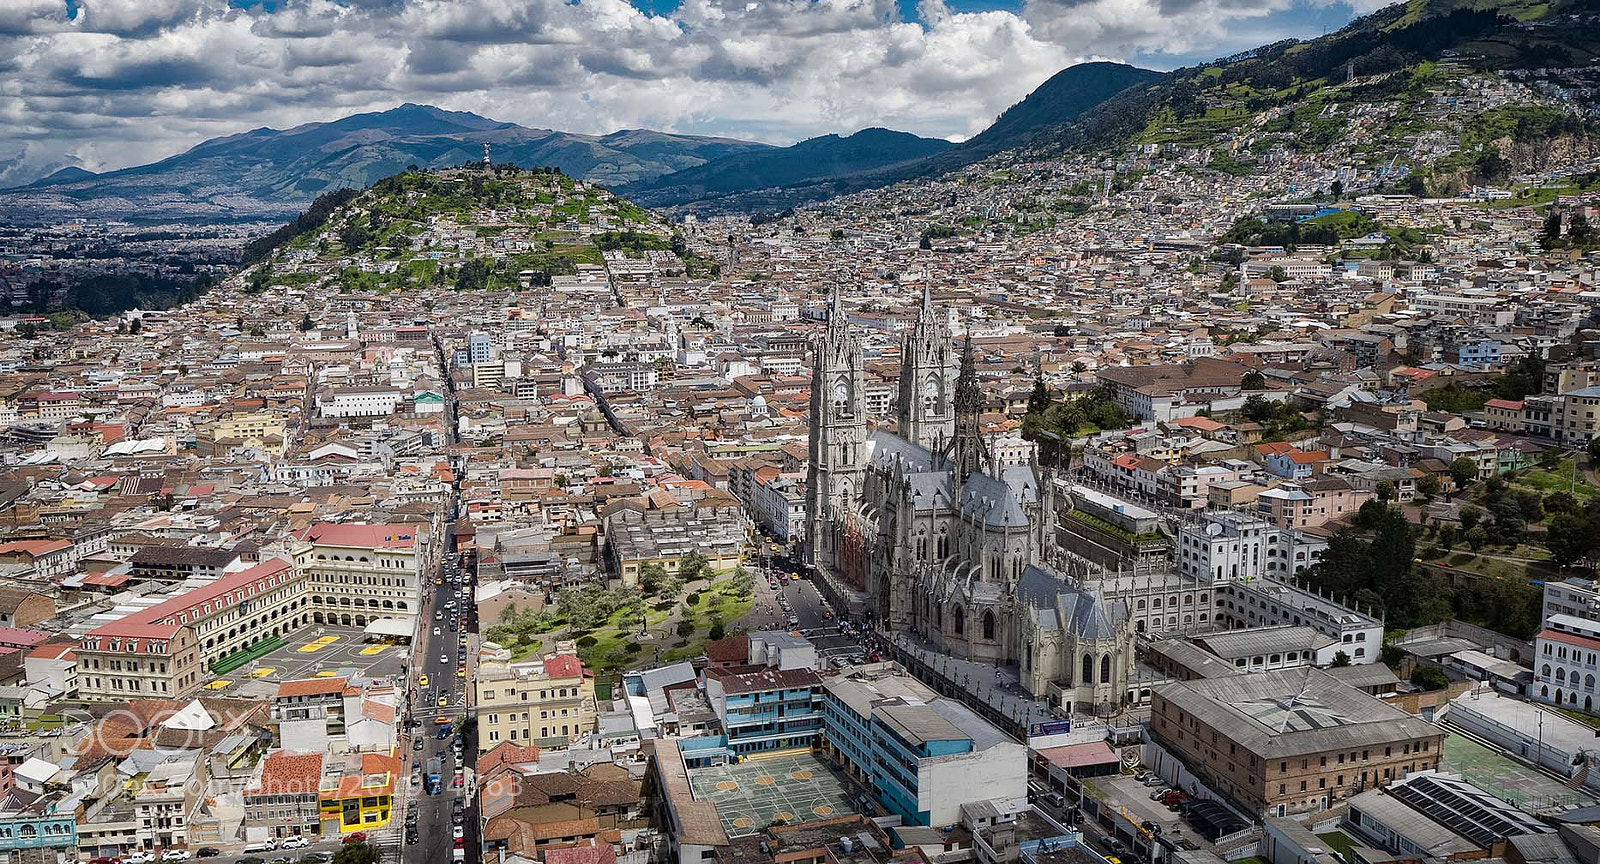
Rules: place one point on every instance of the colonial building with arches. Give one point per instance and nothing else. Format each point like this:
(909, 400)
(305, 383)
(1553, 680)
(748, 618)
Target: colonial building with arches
(165, 650)
(359, 573)
(938, 533)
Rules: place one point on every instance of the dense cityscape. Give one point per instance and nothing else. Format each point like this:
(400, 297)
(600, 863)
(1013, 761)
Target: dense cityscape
(1207, 474)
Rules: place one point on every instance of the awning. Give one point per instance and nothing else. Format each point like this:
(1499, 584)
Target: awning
(390, 627)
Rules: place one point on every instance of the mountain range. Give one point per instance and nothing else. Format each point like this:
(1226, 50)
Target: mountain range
(270, 173)
(876, 157)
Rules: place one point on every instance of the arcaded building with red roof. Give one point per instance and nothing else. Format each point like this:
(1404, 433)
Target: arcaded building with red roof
(165, 649)
(360, 573)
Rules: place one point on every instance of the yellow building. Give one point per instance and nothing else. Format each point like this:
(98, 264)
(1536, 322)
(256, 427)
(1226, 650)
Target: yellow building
(258, 430)
(357, 792)
(546, 702)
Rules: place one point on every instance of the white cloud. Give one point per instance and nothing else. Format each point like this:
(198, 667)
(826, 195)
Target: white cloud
(128, 81)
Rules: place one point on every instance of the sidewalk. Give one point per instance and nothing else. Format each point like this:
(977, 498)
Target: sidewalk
(994, 691)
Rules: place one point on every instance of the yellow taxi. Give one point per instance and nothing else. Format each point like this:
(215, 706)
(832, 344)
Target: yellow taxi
(444, 701)
(422, 680)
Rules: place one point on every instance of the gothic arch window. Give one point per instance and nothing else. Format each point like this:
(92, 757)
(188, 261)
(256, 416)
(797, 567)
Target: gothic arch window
(1141, 606)
(1545, 671)
(1088, 669)
(1105, 668)
(988, 629)
(959, 620)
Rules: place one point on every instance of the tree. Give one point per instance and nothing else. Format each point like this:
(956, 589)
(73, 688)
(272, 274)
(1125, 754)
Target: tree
(1476, 538)
(1594, 451)
(1569, 539)
(1428, 485)
(1278, 274)
(686, 628)
(650, 578)
(1429, 678)
(1253, 380)
(357, 853)
(1385, 491)
(1039, 397)
(1469, 517)
(1337, 188)
(692, 566)
(1560, 501)
(135, 326)
(306, 323)
(1463, 471)
(1340, 660)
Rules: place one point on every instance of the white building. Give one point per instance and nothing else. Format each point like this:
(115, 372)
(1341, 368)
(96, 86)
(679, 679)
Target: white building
(1566, 660)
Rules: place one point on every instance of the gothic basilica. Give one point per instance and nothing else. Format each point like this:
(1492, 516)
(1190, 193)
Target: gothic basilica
(944, 540)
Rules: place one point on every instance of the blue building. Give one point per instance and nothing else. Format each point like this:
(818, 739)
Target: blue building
(922, 755)
(766, 709)
(1476, 352)
(478, 347)
(28, 830)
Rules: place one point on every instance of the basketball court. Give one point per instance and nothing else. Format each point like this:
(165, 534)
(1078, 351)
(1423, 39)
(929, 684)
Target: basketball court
(791, 788)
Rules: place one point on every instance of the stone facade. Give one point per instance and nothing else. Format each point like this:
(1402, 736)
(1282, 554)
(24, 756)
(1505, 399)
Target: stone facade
(943, 538)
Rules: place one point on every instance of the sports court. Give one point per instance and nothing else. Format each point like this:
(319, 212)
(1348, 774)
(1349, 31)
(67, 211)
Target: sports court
(319, 651)
(1503, 778)
(794, 788)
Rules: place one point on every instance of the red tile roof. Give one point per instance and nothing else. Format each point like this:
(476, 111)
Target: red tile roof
(286, 773)
(563, 666)
(363, 536)
(598, 854)
(311, 687)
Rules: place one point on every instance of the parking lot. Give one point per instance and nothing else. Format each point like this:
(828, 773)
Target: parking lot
(323, 651)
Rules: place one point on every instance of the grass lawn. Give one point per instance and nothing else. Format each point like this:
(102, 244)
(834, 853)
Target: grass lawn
(719, 600)
(1498, 569)
(1585, 719)
(1564, 476)
(1338, 841)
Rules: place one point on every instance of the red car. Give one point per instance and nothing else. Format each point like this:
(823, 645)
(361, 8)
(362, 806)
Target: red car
(358, 837)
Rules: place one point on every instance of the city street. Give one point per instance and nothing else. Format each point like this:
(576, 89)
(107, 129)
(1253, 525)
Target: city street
(439, 659)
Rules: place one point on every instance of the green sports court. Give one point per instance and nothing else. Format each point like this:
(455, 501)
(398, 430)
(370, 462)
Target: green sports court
(791, 787)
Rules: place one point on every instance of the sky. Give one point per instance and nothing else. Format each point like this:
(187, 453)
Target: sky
(105, 84)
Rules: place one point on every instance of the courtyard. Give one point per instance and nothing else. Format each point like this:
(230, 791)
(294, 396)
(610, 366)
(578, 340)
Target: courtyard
(790, 788)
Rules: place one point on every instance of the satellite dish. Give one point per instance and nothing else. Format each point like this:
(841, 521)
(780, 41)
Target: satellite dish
(1213, 529)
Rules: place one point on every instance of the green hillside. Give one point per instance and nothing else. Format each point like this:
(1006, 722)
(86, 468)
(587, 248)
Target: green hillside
(1397, 57)
(468, 228)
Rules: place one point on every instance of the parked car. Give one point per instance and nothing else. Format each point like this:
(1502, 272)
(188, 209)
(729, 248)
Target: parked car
(1114, 846)
(176, 855)
(1154, 780)
(357, 837)
(295, 843)
(140, 858)
(207, 852)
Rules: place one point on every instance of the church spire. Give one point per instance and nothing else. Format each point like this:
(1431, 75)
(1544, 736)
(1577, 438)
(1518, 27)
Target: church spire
(969, 451)
(924, 412)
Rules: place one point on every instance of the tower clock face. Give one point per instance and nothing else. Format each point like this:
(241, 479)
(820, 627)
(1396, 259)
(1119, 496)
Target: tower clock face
(931, 387)
(840, 391)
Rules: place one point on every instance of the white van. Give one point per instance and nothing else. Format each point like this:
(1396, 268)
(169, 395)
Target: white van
(264, 846)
